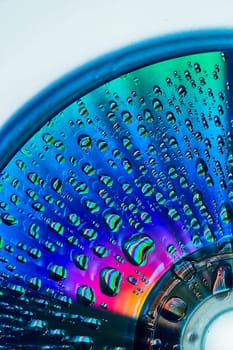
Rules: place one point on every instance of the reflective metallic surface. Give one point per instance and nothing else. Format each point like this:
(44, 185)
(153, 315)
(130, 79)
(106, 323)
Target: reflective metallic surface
(116, 201)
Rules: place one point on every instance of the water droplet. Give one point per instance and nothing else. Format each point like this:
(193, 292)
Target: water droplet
(197, 198)
(197, 67)
(102, 146)
(182, 91)
(160, 198)
(145, 217)
(49, 246)
(79, 187)
(88, 169)
(59, 145)
(106, 180)
(132, 280)
(137, 248)
(82, 342)
(208, 233)
(35, 179)
(57, 272)
(110, 281)
(226, 213)
(113, 106)
(85, 142)
(126, 187)
(85, 295)
(34, 283)
(127, 117)
(90, 234)
(74, 219)
(112, 220)
(142, 130)
(147, 189)
(81, 261)
(148, 116)
(57, 227)
(171, 249)
(100, 251)
(201, 167)
(184, 270)
(21, 164)
(38, 206)
(48, 138)
(16, 290)
(157, 90)
(173, 213)
(223, 279)
(35, 253)
(60, 158)
(72, 240)
(56, 185)
(8, 219)
(171, 119)
(157, 105)
(174, 309)
(91, 206)
(32, 194)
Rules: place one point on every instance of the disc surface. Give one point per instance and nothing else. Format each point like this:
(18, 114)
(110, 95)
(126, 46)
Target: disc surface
(116, 209)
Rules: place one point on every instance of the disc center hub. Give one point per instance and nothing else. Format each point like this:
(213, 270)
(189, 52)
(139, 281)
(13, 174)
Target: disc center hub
(210, 326)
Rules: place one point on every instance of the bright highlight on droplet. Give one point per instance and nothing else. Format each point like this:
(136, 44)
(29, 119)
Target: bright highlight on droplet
(219, 336)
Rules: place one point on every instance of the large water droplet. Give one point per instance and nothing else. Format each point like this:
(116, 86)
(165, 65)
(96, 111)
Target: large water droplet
(184, 270)
(137, 248)
(223, 279)
(85, 295)
(174, 309)
(57, 272)
(110, 281)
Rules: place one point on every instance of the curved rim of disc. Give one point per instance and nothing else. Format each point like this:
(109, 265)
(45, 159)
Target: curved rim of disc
(72, 86)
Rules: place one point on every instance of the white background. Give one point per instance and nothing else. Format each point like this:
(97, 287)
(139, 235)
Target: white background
(41, 40)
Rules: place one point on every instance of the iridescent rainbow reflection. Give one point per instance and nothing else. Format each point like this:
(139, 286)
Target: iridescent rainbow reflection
(108, 194)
